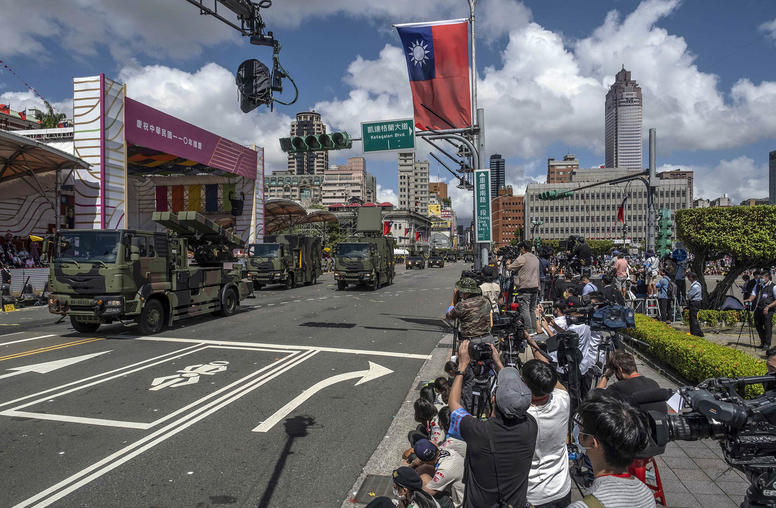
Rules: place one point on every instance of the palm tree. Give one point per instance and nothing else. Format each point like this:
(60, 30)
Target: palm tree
(50, 119)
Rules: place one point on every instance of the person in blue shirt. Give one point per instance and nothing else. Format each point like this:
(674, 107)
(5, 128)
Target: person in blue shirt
(588, 287)
(662, 295)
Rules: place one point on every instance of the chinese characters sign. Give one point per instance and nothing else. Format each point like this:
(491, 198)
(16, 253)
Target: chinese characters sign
(482, 222)
(388, 135)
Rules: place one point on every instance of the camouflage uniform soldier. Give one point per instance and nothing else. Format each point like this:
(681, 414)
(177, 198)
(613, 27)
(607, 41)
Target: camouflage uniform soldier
(473, 313)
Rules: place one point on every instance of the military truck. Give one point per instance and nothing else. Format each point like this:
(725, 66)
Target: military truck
(284, 259)
(436, 259)
(365, 258)
(415, 261)
(101, 276)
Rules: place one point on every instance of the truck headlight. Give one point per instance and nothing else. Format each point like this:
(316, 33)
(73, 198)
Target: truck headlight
(115, 302)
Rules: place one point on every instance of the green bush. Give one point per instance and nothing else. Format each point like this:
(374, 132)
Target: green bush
(696, 358)
(719, 317)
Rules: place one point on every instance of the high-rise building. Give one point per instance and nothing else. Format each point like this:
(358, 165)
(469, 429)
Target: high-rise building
(413, 183)
(593, 212)
(772, 177)
(341, 183)
(438, 189)
(508, 215)
(623, 123)
(308, 163)
(497, 173)
(560, 171)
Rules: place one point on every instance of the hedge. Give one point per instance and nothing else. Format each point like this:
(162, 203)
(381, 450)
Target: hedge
(719, 317)
(696, 358)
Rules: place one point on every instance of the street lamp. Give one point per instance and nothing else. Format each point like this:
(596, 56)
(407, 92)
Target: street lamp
(535, 223)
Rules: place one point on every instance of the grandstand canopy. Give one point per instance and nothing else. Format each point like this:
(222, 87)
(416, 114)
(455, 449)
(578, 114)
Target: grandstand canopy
(20, 157)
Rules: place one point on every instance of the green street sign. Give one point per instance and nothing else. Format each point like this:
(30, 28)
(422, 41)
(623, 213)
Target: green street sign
(483, 225)
(389, 135)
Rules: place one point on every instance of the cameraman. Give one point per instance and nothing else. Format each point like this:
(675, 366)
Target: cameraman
(612, 433)
(527, 267)
(583, 256)
(764, 296)
(611, 293)
(490, 288)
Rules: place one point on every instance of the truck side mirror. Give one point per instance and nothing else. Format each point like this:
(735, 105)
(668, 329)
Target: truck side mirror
(134, 253)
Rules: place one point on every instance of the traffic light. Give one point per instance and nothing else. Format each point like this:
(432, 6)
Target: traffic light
(554, 194)
(665, 232)
(316, 142)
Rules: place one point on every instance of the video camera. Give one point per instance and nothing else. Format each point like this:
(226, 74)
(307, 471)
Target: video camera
(473, 274)
(480, 352)
(745, 429)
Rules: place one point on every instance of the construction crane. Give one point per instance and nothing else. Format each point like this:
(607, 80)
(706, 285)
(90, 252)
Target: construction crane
(255, 82)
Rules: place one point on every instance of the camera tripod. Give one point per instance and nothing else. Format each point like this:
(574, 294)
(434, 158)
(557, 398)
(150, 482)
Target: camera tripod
(748, 318)
(480, 406)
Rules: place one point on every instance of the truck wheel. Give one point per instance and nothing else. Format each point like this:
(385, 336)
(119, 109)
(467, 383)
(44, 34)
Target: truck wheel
(291, 281)
(341, 285)
(83, 326)
(151, 320)
(229, 302)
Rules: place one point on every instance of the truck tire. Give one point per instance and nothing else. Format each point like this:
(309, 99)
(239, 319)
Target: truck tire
(229, 302)
(291, 281)
(341, 285)
(151, 319)
(83, 326)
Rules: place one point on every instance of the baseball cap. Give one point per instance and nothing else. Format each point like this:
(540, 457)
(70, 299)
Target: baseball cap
(513, 398)
(425, 450)
(407, 477)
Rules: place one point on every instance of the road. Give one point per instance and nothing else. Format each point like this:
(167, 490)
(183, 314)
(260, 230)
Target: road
(279, 405)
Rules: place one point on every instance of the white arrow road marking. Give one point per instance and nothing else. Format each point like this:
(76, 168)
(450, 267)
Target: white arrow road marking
(374, 372)
(45, 368)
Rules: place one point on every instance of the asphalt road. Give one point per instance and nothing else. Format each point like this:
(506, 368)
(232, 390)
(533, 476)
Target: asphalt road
(279, 405)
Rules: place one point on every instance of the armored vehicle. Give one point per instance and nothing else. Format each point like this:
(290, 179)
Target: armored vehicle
(284, 259)
(415, 261)
(436, 259)
(365, 257)
(102, 276)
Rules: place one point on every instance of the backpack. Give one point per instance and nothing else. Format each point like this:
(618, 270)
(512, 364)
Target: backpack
(613, 317)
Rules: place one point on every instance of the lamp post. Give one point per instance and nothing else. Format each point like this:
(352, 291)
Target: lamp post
(535, 224)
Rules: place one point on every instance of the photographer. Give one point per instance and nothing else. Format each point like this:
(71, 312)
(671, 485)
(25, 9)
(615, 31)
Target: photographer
(583, 256)
(612, 433)
(632, 387)
(610, 292)
(499, 450)
(490, 288)
(527, 282)
(764, 296)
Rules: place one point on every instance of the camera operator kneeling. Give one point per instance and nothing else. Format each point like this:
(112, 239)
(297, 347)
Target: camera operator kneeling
(612, 433)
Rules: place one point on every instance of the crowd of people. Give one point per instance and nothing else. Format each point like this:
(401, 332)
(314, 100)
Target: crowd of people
(19, 252)
(514, 450)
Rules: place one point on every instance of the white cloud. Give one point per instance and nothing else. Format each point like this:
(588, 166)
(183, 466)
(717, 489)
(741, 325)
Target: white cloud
(20, 101)
(386, 194)
(207, 98)
(769, 28)
(740, 178)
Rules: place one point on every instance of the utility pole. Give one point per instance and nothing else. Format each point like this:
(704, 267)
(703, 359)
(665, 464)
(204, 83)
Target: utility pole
(651, 184)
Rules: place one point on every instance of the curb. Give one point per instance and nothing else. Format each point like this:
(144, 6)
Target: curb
(387, 455)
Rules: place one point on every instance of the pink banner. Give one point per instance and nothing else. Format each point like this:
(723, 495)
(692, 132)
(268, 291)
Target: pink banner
(149, 127)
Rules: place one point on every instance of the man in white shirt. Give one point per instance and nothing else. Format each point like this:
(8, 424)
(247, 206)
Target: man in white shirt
(441, 471)
(549, 482)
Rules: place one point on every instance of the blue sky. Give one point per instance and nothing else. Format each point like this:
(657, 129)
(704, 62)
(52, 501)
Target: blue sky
(706, 68)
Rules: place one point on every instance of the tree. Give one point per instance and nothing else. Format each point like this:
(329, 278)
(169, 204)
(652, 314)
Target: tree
(600, 247)
(50, 119)
(518, 236)
(746, 233)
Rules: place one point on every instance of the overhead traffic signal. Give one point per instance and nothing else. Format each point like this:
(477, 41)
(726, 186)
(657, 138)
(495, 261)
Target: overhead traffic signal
(665, 232)
(316, 142)
(555, 194)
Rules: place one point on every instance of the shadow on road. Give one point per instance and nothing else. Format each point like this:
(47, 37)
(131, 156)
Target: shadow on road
(296, 427)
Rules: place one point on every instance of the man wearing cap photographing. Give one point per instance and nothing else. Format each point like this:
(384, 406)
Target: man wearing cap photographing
(498, 451)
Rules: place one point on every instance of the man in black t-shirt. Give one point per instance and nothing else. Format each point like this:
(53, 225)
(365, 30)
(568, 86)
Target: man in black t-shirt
(611, 294)
(498, 451)
(644, 393)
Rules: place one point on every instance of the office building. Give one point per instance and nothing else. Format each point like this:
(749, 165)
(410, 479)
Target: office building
(308, 163)
(754, 202)
(438, 189)
(623, 123)
(341, 183)
(413, 183)
(560, 171)
(307, 189)
(593, 212)
(497, 174)
(772, 177)
(508, 214)
(679, 174)
(723, 200)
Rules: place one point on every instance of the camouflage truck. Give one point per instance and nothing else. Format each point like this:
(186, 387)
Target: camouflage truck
(101, 276)
(365, 258)
(284, 259)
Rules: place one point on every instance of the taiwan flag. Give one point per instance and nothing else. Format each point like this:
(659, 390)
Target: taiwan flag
(437, 56)
(621, 211)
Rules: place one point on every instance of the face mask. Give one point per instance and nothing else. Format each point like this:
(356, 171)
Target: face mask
(396, 493)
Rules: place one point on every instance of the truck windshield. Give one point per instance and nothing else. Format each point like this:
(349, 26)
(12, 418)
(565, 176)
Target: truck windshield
(353, 250)
(264, 250)
(88, 246)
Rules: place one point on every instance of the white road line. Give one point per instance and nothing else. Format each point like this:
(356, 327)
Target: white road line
(8, 334)
(114, 460)
(96, 376)
(25, 340)
(76, 419)
(289, 346)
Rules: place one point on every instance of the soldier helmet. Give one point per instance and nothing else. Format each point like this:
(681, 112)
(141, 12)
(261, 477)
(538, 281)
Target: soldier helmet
(468, 285)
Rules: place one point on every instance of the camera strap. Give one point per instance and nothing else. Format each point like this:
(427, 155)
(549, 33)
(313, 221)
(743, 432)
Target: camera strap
(592, 502)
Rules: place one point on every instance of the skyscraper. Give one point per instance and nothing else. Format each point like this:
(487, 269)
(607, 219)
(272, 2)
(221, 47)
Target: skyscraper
(772, 178)
(497, 174)
(308, 163)
(623, 123)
